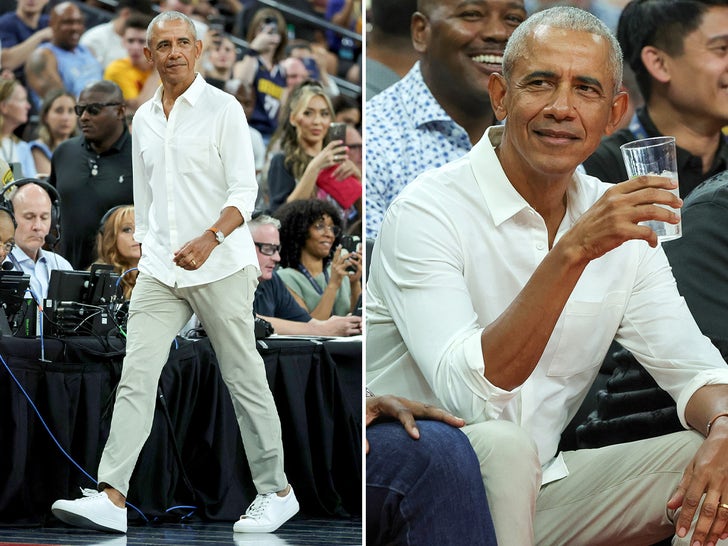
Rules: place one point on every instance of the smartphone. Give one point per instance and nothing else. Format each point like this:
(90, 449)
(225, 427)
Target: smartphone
(337, 131)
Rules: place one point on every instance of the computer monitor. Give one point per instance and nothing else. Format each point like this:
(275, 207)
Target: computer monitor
(78, 301)
(13, 285)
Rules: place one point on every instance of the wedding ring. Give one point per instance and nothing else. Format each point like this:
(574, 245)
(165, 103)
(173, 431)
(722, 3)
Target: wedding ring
(194, 263)
(723, 505)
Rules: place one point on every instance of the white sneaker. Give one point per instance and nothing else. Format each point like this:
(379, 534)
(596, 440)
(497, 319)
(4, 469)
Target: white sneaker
(92, 511)
(267, 512)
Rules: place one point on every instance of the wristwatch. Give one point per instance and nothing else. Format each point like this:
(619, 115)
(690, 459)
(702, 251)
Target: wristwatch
(219, 235)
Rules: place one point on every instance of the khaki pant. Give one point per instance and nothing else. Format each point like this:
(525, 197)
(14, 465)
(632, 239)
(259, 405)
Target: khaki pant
(156, 314)
(612, 495)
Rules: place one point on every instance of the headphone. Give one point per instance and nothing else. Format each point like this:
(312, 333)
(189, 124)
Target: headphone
(52, 193)
(105, 217)
(9, 212)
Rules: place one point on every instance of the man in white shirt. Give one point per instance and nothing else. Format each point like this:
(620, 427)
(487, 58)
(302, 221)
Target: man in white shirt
(499, 281)
(32, 207)
(194, 191)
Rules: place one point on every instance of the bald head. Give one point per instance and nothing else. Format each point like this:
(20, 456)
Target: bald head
(67, 24)
(32, 206)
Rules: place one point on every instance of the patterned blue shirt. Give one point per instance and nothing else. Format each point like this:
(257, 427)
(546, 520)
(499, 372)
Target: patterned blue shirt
(407, 133)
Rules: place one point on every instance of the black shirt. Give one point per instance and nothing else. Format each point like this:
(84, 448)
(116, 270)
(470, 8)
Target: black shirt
(606, 162)
(89, 184)
(272, 299)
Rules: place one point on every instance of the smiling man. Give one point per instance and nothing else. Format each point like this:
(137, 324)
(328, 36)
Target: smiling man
(92, 171)
(498, 282)
(440, 108)
(678, 52)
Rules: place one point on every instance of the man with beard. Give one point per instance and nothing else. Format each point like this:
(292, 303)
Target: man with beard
(438, 110)
(92, 172)
(62, 62)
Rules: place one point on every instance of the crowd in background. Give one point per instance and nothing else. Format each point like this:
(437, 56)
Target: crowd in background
(74, 73)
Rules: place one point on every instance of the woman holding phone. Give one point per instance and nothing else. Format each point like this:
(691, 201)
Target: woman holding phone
(310, 164)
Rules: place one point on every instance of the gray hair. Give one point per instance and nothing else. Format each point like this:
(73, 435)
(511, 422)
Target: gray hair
(263, 220)
(568, 18)
(170, 16)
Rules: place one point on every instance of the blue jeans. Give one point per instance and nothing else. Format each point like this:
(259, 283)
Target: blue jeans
(426, 491)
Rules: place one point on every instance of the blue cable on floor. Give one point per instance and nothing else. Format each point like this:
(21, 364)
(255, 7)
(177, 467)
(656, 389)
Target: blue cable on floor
(48, 430)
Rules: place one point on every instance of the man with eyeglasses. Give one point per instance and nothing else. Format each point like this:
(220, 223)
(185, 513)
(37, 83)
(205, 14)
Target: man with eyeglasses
(7, 233)
(274, 302)
(92, 171)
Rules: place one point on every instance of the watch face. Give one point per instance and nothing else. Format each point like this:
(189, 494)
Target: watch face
(219, 236)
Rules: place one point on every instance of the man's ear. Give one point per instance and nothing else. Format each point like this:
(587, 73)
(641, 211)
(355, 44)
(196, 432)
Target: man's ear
(619, 107)
(497, 88)
(148, 54)
(420, 31)
(657, 63)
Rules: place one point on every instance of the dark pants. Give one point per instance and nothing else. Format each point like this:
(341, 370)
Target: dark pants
(426, 491)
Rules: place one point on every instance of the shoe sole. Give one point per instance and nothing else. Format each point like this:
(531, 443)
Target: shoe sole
(77, 520)
(266, 528)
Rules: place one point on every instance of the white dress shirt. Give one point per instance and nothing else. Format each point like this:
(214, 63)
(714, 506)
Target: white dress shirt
(455, 249)
(39, 270)
(187, 169)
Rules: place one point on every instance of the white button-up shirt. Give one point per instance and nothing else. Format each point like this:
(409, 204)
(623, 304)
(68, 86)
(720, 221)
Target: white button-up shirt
(187, 169)
(455, 249)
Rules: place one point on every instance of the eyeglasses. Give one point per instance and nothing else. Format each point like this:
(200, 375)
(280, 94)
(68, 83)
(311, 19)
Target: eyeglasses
(9, 246)
(94, 108)
(321, 227)
(267, 249)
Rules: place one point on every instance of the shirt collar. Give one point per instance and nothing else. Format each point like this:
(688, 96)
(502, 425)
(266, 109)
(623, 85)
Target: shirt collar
(427, 110)
(191, 94)
(500, 196)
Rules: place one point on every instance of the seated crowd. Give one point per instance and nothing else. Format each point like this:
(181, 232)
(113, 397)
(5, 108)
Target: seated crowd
(68, 94)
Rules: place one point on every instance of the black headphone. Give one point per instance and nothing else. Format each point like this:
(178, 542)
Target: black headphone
(52, 193)
(9, 212)
(105, 217)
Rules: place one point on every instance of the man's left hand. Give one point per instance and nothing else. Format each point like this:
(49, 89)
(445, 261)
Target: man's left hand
(705, 479)
(194, 253)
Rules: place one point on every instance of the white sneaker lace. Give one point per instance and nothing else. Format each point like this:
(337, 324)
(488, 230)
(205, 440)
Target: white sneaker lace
(258, 506)
(88, 494)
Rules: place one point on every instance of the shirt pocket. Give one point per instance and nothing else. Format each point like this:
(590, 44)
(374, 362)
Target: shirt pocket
(584, 332)
(193, 154)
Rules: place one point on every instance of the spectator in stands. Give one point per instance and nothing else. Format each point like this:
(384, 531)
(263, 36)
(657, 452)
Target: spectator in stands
(261, 68)
(106, 41)
(314, 268)
(57, 123)
(307, 167)
(346, 14)
(354, 145)
(133, 73)
(295, 71)
(347, 110)
(21, 31)
(390, 54)
(441, 107)
(498, 282)
(32, 207)
(218, 59)
(115, 245)
(62, 63)
(274, 302)
(680, 67)
(423, 480)
(7, 232)
(315, 58)
(92, 172)
(188, 8)
(14, 108)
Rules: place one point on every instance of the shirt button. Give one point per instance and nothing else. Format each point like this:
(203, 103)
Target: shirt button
(540, 246)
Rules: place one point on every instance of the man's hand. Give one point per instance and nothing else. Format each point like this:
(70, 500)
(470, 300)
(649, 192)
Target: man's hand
(194, 253)
(706, 474)
(406, 411)
(350, 325)
(614, 218)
